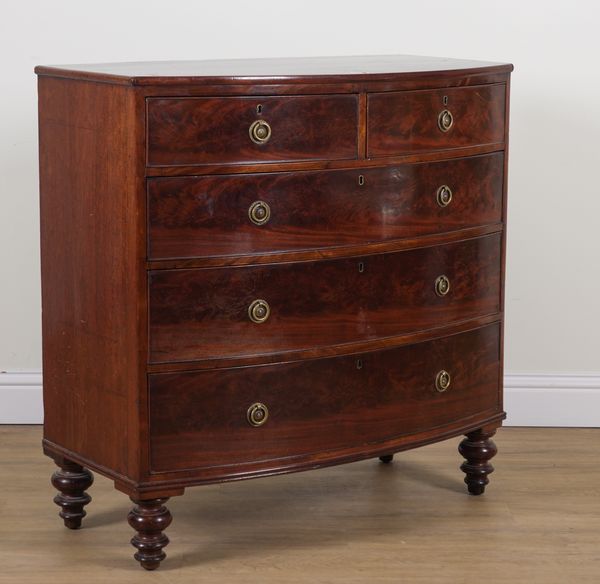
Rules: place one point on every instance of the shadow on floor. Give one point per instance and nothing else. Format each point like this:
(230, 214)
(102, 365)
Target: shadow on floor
(313, 509)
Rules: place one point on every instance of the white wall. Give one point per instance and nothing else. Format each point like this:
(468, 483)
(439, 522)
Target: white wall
(553, 307)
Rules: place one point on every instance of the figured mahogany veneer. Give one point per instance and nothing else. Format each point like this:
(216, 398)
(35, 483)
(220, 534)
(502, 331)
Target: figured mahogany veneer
(207, 216)
(408, 121)
(205, 130)
(267, 266)
(203, 313)
(199, 419)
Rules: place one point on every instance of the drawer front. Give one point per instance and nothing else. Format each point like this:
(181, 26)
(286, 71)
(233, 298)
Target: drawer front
(260, 213)
(205, 313)
(201, 419)
(188, 131)
(413, 121)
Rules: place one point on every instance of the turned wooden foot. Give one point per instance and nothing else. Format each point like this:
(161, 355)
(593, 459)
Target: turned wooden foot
(71, 481)
(478, 450)
(149, 519)
(386, 458)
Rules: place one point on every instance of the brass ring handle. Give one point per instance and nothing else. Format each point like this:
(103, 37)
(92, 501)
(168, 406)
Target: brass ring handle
(442, 381)
(260, 132)
(259, 212)
(442, 285)
(257, 414)
(444, 196)
(445, 120)
(259, 311)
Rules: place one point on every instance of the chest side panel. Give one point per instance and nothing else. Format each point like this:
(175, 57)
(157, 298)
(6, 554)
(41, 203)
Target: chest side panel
(92, 267)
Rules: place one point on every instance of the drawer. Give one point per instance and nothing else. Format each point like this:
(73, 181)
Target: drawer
(406, 122)
(206, 313)
(201, 419)
(207, 130)
(276, 212)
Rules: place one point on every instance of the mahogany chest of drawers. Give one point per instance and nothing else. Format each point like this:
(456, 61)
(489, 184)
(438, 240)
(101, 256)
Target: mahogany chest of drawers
(259, 267)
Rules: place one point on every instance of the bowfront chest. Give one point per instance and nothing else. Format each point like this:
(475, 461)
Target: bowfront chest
(258, 267)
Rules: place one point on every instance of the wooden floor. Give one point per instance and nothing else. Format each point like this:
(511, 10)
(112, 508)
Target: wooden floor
(409, 522)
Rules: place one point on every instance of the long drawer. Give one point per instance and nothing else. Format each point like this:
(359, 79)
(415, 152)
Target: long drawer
(224, 130)
(261, 413)
(257, 310)
(408, 122)
(249, 214)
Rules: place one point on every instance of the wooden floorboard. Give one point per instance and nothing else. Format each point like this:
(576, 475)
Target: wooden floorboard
(363, 523)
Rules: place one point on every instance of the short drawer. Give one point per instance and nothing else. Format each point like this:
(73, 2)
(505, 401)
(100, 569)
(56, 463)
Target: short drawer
(206, 419)
(250, 214)
(255, 310)
(415, 121)
(213, 130)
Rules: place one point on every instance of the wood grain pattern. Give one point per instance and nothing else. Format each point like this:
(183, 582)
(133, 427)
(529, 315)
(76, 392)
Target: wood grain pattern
(208, 216)
(92, 269)
(312, 352)
(200, 314)
(215, 130)
(199, 419)
(428, 156)
(323, 253)
(406, 122)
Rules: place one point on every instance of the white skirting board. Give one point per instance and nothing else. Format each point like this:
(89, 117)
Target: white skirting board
(571, 400)
(567, 400)
(21, 398)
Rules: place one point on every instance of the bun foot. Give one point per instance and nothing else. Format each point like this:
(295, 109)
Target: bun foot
(386, 458)
(478, 449)
(71, 481)
(149, 519)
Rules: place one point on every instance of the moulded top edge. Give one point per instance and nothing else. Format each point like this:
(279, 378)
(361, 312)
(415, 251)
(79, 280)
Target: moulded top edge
(285, 70)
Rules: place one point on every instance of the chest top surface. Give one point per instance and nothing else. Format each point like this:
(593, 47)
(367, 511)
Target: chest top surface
(319, 69)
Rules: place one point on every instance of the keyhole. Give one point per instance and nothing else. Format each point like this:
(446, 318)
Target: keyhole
(361, 180)
(259, 109)
(445, 100)
(359, 364)
(361, 267)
